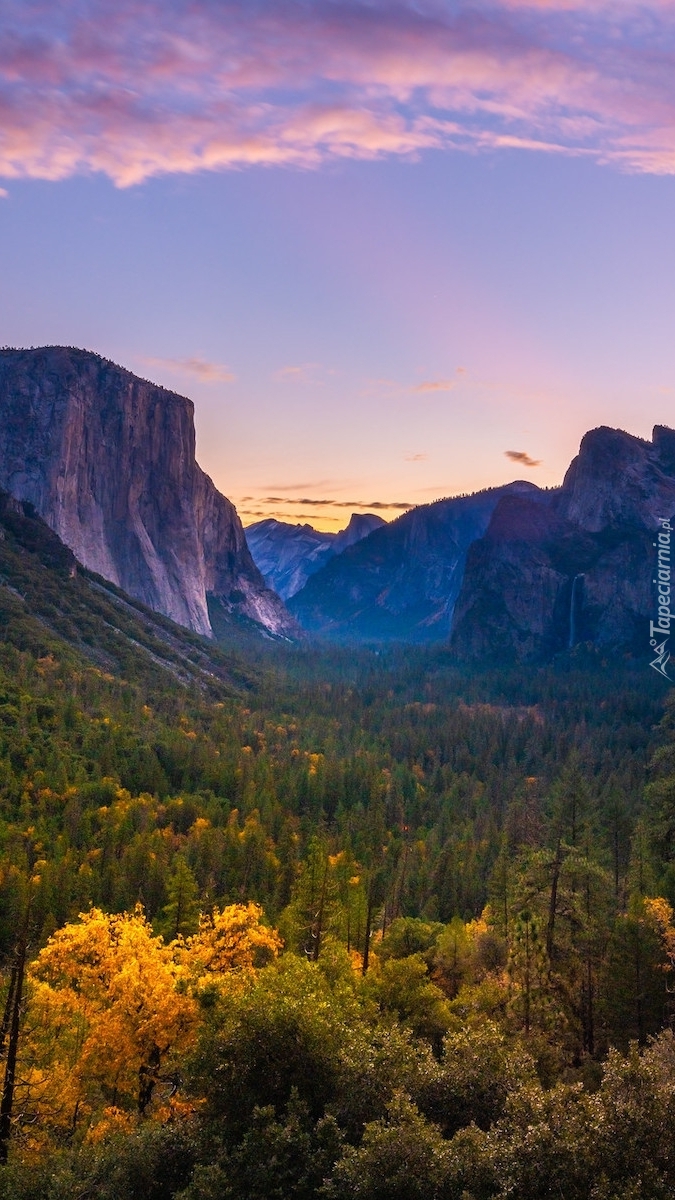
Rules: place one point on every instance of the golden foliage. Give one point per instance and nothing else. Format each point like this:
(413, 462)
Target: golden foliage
(660, 912)
(230, 939)
(111, 1010)
(106, 1013)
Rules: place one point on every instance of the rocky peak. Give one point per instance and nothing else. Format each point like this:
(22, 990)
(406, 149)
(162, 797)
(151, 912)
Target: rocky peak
(618, 479)
(360, 526)
(521, 518)
(543, 579)
(664, 447)
(288, 555)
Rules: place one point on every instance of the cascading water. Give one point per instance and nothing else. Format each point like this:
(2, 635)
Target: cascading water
(577, 584)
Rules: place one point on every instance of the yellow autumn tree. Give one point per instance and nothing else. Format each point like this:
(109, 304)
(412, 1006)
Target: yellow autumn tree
(111, 1010)
(660, 913)
(107, 1016)
(231, 939)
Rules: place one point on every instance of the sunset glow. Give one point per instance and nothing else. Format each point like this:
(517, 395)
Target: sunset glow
(392, 251)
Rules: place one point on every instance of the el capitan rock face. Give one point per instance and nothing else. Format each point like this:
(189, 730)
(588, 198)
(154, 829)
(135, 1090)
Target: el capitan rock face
(543, 579)
(108, 461)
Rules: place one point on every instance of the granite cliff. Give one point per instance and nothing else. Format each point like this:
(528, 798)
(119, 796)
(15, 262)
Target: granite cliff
(288, 554)
(108, 461)
(580, 569)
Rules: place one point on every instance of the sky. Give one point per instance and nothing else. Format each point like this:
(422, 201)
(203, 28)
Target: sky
(392, 251)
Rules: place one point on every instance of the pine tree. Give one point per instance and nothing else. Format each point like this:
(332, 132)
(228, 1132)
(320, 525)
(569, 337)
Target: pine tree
(180, 915)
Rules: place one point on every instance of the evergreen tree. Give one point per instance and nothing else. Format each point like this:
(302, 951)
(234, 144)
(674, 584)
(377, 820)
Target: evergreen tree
(180, 915)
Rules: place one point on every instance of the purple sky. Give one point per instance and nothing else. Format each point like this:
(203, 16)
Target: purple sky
(381, 245)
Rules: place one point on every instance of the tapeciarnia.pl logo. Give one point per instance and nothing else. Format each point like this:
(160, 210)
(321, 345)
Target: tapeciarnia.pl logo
(661, 625)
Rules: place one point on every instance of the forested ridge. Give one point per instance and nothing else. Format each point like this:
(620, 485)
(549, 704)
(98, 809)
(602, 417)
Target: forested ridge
(295, 922)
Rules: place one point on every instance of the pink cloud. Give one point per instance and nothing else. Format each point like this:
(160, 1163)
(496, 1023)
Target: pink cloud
(136, 88)
(197, 368)
(435, 385)
(302, 373)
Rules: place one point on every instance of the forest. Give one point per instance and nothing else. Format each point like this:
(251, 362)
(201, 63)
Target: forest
(302, 922)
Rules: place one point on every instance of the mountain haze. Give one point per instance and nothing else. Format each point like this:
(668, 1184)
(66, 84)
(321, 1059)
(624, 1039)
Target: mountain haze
(402, 581)
(288, 554)
(512, 572)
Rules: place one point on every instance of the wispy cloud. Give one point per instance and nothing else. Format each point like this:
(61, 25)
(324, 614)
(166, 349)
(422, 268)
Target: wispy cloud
(198, 368)
(303, 373)
(416, 457)
(138, 89)
(307, 502)
(314, 484)
(520, 456)
(4, 194)
(435, 385)
(285, 516)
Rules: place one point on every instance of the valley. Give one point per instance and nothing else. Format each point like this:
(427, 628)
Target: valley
(376, 903)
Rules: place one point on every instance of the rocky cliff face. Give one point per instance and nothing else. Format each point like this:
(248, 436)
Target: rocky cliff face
(618, 480)
(360, 526)
(108, 461)
(289, 554)
(402, 581)
(580, 569)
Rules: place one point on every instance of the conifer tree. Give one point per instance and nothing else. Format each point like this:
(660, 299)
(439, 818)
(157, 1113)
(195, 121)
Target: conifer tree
(180, 915)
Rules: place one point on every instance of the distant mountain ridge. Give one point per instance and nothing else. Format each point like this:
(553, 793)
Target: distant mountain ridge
(108, 461)
(581, 569)
(288, 554)
(402, 581)
(512, 572)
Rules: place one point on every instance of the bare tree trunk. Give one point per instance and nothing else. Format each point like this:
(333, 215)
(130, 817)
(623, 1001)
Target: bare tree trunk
(318, 923)
(639, 1009)
(401, 884)
(7, 1101)
(369, 921)
(589, 1017)
(528, 982)
(147, 1079)
(554, 900)
(7, 1014)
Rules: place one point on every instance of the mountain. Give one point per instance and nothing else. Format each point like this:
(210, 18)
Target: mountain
(61, 613)
(108, 461)
(288, 554)
(581, 569)
(402, 581)
(360, 525)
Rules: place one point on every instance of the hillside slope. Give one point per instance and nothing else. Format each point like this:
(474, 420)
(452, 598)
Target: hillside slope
(50, 606)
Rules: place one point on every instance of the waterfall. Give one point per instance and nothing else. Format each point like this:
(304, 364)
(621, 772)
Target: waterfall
(574, 606)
